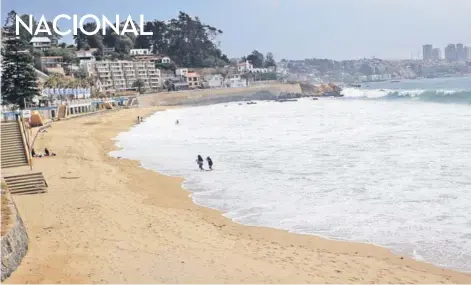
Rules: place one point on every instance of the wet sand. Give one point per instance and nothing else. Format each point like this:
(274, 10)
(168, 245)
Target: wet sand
(106, 220)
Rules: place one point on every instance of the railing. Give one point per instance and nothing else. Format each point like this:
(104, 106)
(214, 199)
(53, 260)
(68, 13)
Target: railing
(26, 144)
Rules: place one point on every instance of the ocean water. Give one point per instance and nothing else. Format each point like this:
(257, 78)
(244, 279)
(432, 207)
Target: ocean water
(439, 90)
(374, 169)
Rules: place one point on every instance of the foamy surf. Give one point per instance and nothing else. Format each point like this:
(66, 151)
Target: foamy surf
(440, 95)
(381, 172)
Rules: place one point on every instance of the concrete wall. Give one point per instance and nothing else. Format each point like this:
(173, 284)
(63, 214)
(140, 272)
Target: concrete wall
(14, 243)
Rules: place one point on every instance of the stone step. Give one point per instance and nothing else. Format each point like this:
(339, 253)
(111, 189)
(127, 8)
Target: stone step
(11, 140)
(30, 192)
(11, 137)
(11, 163)
(12, 132)
(25, 182)
(14, 158)
(13, 154)
(7, 128)
(29, 183)
(37, 185)
(14, 178)
(14, 165)
(7, 148)
(12, 146)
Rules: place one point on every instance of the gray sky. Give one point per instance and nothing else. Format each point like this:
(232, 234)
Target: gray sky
(296, 29)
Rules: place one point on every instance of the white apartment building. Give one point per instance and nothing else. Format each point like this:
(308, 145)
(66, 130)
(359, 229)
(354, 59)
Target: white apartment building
(260, 70)
(121, 75)
(140, 51)
(181, 72)
(235, 81)
(245, 67)
(40, 43)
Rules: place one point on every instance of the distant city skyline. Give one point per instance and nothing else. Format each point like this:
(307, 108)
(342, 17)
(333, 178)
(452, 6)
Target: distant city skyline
(451, 52)
(296, 29)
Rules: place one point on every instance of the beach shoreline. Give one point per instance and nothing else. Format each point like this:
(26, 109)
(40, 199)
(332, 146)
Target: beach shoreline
(108, 220)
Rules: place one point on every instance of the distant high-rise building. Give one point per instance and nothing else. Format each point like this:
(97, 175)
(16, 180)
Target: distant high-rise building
(436, 54)
(460, 52)
(427, 52)
(450, 52)
(467, 53)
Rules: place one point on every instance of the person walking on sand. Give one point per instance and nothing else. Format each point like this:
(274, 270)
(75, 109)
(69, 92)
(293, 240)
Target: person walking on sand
(210, 163)
(200, 161)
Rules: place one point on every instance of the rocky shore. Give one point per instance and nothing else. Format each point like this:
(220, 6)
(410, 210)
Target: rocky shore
(307, 90)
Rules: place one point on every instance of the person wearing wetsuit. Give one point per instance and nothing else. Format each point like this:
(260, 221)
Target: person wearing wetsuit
(210, 163)
(200, 161)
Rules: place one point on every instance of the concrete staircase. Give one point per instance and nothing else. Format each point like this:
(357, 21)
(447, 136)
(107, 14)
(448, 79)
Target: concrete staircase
(12, 147)
(23, 184)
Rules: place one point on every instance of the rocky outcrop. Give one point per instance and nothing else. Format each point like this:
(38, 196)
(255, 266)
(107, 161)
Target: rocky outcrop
(14, 243)
(327, 90)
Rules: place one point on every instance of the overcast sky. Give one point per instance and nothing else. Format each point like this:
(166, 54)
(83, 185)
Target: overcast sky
(295, 29)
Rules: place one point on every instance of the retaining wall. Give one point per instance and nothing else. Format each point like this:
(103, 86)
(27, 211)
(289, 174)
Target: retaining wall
(14, 243)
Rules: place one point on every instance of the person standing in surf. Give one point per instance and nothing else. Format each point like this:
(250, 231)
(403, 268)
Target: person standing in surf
(200, 161)
(210, 163)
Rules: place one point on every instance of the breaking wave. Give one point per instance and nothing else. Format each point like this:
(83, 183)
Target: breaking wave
(441, 96)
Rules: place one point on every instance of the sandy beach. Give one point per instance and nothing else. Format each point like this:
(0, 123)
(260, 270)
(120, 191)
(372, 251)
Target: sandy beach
(106, 220)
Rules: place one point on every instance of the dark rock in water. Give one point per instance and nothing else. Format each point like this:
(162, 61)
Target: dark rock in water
(332, 94)
(289, 95)
(251, 103)
(286, 100)
(314, 98)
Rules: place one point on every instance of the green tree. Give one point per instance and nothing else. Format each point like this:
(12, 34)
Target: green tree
(270, 60)
(83, 41)
(166, 66)
(24, 35)
(139, 84)
(80, 74)
(191, 42)
(256, 58)
(19, 80)
(68, 54)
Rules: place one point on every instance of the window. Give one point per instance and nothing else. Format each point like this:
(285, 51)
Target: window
(195, 78)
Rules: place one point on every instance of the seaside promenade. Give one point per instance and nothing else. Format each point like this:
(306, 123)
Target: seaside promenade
(106, 220)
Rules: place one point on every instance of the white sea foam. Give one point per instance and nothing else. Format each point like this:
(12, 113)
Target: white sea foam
(392, 173)
(381, 93)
